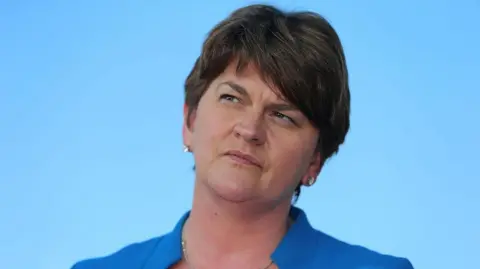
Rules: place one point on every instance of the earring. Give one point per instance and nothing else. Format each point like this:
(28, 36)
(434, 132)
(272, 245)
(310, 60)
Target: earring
(186, 148)
(311, 181)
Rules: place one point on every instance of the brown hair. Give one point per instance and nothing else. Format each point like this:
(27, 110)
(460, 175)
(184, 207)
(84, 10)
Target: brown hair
(298, 52)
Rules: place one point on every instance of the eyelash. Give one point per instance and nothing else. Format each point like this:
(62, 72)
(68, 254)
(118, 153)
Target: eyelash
(282, 116)
(229, 98)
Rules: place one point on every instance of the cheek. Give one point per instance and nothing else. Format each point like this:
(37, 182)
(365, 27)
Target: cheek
(210, 129)
(291, 160)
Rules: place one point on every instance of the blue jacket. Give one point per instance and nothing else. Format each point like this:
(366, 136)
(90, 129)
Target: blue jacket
(302, 247)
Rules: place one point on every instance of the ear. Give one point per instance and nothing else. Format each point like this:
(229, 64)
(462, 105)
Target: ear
(187, 128)
(314, 169)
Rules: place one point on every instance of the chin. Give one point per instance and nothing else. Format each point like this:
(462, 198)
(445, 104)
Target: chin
(234, 186)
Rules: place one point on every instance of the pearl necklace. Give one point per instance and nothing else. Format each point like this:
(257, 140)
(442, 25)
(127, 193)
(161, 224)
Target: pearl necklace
(185, 256)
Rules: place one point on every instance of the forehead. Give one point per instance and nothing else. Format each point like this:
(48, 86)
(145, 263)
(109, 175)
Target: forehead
(251, 79)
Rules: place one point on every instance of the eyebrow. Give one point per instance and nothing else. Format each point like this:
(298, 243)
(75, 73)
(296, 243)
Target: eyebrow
(282, 107)
(274, 106)
(238, 88)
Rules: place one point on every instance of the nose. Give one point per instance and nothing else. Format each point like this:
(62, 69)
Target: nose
(251, 129)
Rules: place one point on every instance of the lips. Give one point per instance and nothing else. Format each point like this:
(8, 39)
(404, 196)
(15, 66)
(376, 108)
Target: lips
(243, 158)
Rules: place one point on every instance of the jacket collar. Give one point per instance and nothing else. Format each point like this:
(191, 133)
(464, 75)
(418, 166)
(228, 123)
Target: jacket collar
(297, 246)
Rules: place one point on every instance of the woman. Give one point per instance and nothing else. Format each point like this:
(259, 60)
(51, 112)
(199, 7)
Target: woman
(266, 104)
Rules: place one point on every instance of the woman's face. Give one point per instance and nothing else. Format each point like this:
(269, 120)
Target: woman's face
(248, 143)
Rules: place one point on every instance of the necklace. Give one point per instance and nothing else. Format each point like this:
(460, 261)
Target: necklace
(185, 256)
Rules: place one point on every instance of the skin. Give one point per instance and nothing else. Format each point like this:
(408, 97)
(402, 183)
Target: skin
(240, 210)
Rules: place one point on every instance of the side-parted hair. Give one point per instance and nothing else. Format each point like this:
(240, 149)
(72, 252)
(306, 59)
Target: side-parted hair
(298, 52)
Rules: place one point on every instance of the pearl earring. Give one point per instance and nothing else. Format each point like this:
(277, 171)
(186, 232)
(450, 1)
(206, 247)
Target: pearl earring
(186, 148)
(310, 181)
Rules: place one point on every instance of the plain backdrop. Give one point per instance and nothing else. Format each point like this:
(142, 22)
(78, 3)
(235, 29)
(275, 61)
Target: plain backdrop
(91, 96)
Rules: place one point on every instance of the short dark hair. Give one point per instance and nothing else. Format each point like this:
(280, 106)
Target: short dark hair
(298, 52)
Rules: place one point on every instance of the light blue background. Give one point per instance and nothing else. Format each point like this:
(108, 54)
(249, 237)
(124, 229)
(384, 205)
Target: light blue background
(91, 109)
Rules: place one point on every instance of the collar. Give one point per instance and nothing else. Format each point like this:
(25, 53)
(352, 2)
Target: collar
(297, 246)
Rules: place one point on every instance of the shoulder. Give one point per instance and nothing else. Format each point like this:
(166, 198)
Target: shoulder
(157, 252)
(315, 249)
(345, 255)
(130, 256)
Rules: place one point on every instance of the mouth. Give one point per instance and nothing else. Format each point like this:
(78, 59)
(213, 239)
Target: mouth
(243, 158)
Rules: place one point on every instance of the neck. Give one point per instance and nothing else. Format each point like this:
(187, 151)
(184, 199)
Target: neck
(224, 233)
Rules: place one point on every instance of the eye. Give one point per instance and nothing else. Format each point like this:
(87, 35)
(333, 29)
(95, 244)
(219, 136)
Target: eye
(229, 98)
(283, 117)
